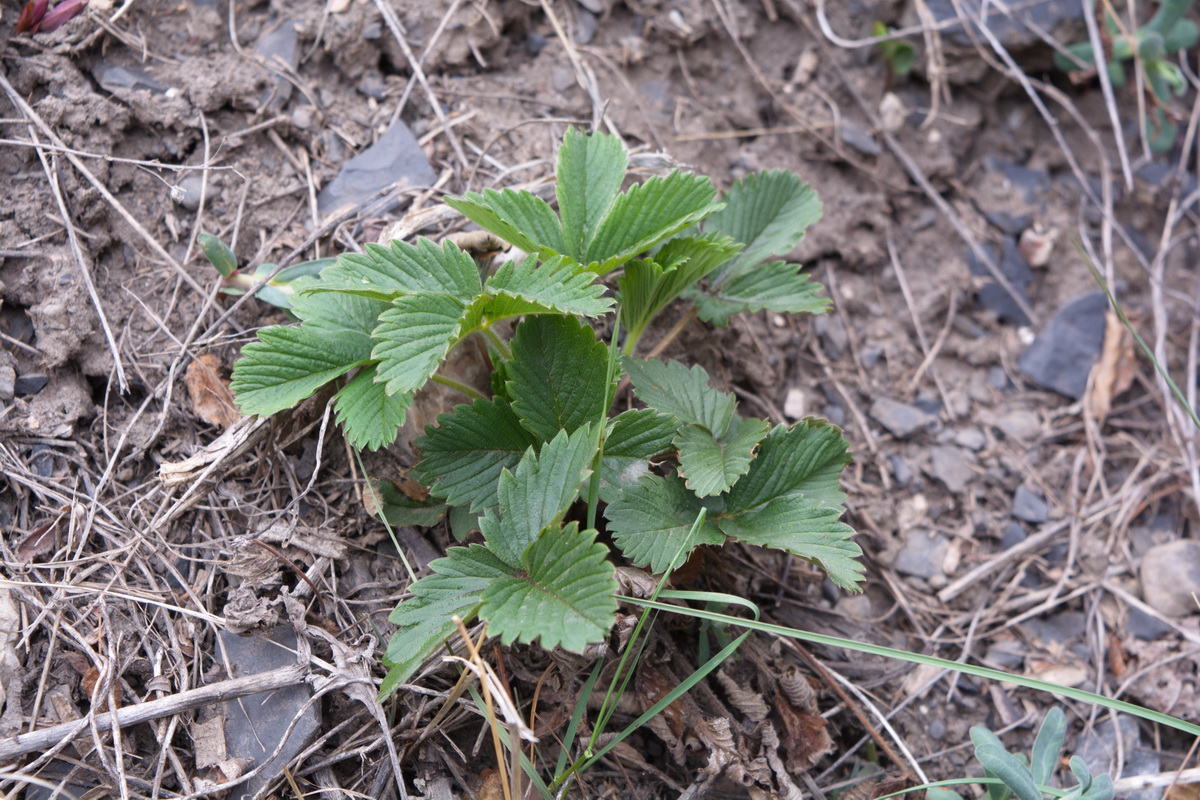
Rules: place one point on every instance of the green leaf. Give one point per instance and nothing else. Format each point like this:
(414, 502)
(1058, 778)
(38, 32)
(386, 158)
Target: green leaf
(414, 335)
(775, 286)
(218, 254)
(805, 460)
(711, 465)
(1006, 767)
(399, 509)
(562, 597)
(333, 314)
(633, 437)
(805, 528)
(652, 520)
(385, 273)
(537, 493)
(768, 212)
(463, 457)
(1046, 747)
(518, 217)
(425, 621)
(558, 375)
(289, 363)
(590, 172)
(672, 388)
(370, 416)
(648, 214)
(559, 285)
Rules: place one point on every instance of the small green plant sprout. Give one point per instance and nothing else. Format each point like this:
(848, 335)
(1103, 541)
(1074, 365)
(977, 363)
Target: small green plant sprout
(1167, 32)
(535, 461)
(277, 291)
(898, 55)
(1028, 777)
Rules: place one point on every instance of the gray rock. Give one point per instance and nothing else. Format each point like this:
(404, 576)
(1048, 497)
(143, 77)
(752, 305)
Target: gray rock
(1170, 576)
(115, 79)
(1061, 628)
(1006, 654)
(395, 157)
(902, 473)
(1098, 748)
(937, 729)
(29, 385)
(279, 47)
(1144, 626)
(1014, 28)
(1063, 353)
(992, 295)
(8, 375)
(585, 27)
(971, 438)
(951, 466)
(255, 726)
(998, 378)
(859, 139)
(372, 84)
(1030, 506)
(855, 606)
(1022, 424)
(901, 419)
(923, 554)
(189, 190)
(1012, 535)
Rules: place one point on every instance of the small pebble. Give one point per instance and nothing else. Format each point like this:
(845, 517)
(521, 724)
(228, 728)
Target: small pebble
(1030, 506)
(937, 729)
(922, 554)
(795, 405)
(901, 472)
(951, 466)
(859, 139)
(900, 419)
(28, 385)
(187, 191)
(1012, 535)
(1145, 626)
(971, 438)
(1170, 576)
(1022, 425)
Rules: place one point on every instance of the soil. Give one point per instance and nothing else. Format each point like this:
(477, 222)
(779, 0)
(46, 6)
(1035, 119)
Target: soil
(143, 521)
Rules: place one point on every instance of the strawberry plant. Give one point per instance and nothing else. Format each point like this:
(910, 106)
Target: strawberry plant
(540, 441)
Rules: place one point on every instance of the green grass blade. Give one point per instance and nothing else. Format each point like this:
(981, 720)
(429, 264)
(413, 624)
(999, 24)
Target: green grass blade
(916, 658)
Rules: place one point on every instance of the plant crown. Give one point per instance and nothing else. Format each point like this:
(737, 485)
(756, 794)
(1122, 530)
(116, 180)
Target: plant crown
(512, 464)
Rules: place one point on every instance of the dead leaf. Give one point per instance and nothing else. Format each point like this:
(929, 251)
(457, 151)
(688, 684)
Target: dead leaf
(1113, 372)
(212, 401)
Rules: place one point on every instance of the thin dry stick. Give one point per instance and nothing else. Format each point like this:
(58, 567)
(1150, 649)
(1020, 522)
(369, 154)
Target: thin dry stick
(218, 692)
(393, 23)
(81, 259)
(911, 303)
(34, 117)
(429, 45)
(1110, 99)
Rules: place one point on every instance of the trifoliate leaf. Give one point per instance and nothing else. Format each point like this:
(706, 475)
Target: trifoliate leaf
(633, 437)
(776, 286)
(652, 520)
(559, 285)
(413, 337)
(805, 460)
(768, 212)
(711, 465)
(558, 375)
(648, 214)
(332, 312)
(520, 218)
(672, 388)
(649, 285)
(805, 528)
(537, 492)
(590, 171)
(562, 597)
(289, 363)
(370, 416)
(463, 457)
(387, 272)
(425, 621)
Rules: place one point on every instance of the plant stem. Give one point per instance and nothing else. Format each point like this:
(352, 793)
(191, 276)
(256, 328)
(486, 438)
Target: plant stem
(459, 387)
(498, 343)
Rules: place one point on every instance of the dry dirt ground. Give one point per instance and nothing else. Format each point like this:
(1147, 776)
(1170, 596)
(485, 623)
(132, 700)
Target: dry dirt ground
(1006, 513)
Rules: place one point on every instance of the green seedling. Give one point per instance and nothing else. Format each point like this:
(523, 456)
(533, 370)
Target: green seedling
(1028, 777)
(277, 291)
(1167, 32)
(541, 436)
(898, 55)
